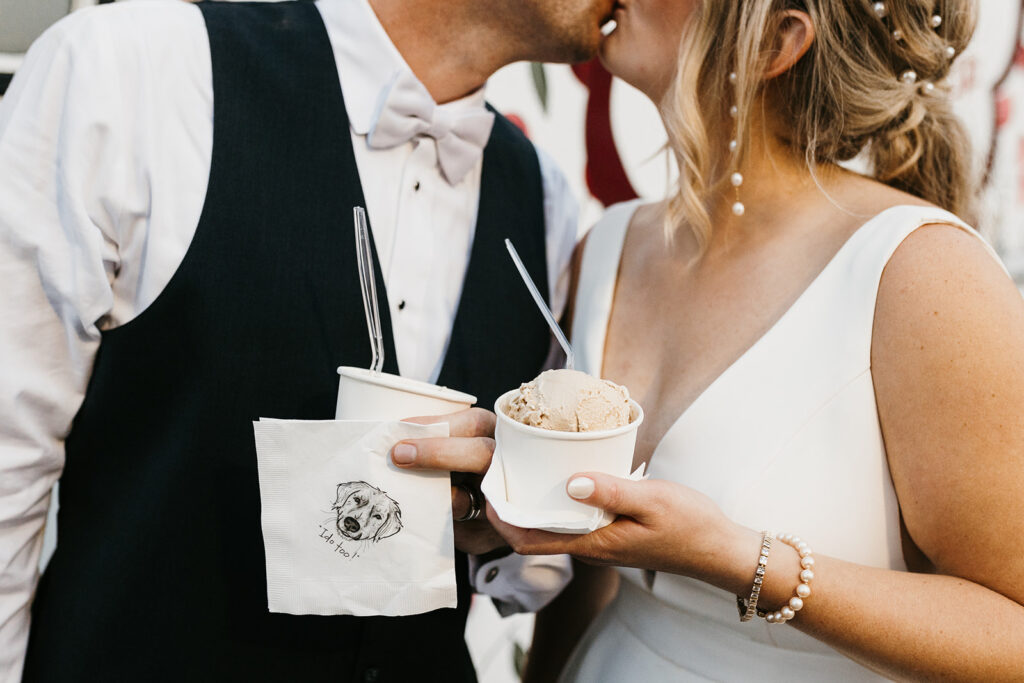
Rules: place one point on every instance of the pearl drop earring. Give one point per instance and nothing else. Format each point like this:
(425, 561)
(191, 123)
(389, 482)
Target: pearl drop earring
(738, 209)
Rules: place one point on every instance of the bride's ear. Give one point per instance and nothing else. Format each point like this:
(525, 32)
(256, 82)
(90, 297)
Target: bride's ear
(793, 39)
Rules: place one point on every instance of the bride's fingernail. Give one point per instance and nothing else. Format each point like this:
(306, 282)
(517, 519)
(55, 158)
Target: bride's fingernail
(581, 487)
(403, 454)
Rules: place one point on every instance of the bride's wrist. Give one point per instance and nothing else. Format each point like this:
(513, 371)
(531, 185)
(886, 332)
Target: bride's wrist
(734, 565)
(730, 558)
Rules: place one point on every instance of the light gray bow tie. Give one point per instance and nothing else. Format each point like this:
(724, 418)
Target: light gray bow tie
(409, 112)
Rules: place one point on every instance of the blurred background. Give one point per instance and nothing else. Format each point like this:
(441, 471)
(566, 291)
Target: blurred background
(609, 141)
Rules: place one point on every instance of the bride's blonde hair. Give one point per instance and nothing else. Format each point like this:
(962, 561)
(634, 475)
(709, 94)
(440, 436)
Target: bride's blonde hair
(845, 96)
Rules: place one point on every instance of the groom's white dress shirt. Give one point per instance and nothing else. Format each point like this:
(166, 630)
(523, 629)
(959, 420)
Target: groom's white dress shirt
(105, 143)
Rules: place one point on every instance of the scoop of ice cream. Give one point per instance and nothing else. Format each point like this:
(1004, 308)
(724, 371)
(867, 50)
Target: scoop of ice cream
(570, 401)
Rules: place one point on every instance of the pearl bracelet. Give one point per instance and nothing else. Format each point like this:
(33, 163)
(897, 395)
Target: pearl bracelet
(803, 589)
(748, 607)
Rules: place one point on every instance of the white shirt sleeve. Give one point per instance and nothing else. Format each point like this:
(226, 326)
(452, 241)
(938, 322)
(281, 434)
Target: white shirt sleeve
(57, 257)
(518, 583)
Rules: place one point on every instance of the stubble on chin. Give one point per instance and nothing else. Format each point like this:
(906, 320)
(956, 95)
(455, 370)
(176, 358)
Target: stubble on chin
(568, 35)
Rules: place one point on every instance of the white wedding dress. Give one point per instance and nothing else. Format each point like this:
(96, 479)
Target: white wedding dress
(787, 439)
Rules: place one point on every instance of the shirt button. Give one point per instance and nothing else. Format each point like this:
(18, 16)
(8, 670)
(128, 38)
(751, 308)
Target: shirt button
(401, 305)
(370, 675)
(492, 574)
(416, 186)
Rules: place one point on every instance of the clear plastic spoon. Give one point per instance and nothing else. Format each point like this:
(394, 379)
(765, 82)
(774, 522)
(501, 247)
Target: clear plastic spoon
(368, 285)
(570, 357)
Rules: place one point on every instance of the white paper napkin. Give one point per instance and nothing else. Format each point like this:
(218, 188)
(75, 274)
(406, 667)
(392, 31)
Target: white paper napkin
(560, 521)
(347, 532)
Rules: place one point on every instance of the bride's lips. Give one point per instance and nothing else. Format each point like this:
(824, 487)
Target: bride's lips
(613, 11)
(614, 16)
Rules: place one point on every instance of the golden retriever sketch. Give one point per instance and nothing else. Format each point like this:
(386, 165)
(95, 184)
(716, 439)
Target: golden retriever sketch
(365, 513)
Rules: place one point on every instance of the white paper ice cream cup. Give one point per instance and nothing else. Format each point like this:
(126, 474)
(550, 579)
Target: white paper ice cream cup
(538, 462)
(362, 395)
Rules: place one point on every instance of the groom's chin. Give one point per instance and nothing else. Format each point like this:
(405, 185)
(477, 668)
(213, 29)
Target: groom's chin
(581, 45)
(572, 28)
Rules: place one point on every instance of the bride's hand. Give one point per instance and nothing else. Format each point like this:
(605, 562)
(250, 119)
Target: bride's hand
(661, 526)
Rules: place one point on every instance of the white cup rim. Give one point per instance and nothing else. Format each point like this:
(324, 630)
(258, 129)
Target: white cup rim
(407, 384)
(633, 425)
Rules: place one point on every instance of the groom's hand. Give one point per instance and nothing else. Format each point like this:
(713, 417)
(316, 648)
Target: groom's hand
(466, 453)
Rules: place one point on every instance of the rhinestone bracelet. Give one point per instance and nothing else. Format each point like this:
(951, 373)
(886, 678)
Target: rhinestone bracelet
(748, 607)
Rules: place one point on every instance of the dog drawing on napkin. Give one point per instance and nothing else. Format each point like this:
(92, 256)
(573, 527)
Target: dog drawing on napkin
(365, 513)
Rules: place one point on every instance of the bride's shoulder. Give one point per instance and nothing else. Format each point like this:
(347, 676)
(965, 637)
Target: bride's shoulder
(939, 250)
(943, 281)
(616, 220)
(651, 215)
(627, 217)
(632, 211)
(891, 217)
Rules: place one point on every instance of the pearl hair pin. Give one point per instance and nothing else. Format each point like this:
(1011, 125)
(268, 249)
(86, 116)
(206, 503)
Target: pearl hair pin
(909, 77)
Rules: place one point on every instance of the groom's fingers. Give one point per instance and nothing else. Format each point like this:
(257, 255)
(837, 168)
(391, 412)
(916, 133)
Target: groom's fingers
(468, 448)
(458, 454)
(461, 504)
(467, 423)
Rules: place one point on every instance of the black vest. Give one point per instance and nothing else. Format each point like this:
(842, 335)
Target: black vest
(159, 571)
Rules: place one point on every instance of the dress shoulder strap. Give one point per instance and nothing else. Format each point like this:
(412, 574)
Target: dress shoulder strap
(880, 237)
(595, 289)
(858, 274)
(897, 223)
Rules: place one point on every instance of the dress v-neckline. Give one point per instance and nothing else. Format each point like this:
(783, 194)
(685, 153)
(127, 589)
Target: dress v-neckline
(675, 425)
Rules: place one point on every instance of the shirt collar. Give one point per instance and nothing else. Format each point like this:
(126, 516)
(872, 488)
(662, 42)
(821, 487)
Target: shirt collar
(368, 61)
